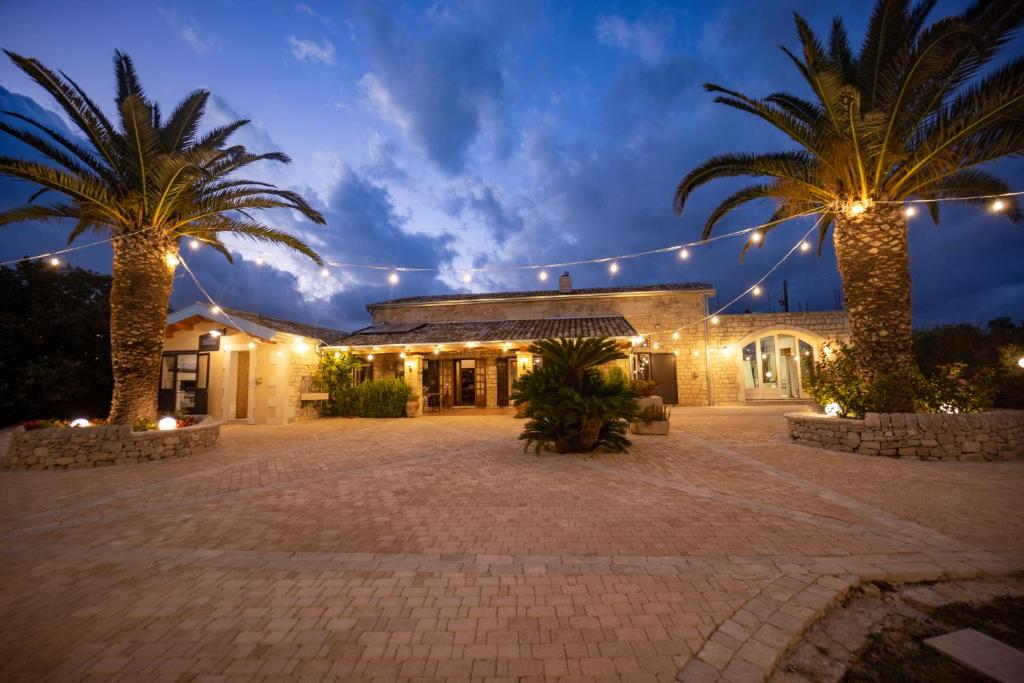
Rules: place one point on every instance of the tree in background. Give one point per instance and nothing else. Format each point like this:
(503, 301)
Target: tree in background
(54, 343)
(147, 182)
(917, 112)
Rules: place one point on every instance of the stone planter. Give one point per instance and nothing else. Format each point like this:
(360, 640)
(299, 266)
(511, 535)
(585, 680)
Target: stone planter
(413, 407)
(79, 447)
(996, 435)
(645, 401)
(659, 427)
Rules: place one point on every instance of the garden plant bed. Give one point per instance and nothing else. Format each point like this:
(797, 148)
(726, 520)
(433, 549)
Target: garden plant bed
(78, 447)
(996, 435)
(877, 633)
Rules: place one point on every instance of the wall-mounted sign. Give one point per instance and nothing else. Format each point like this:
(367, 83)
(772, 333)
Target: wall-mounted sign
(209, 342)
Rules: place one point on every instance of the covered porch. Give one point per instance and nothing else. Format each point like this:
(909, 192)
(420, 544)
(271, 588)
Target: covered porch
(454, 367)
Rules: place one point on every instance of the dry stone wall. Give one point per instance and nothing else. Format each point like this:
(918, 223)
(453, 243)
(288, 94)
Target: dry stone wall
(73, 448)
(997, 435)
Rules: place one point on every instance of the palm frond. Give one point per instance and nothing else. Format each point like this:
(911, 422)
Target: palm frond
(179, 133)
(253, 230)
(127, 80)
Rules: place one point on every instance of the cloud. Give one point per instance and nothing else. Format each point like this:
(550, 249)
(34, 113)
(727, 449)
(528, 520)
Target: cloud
(189, 31)
(645, 37)
(443, 87)
(308, 50)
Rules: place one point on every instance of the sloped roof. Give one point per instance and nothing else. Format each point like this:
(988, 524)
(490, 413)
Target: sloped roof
(537, 293)
(490, 331)
(254, 324)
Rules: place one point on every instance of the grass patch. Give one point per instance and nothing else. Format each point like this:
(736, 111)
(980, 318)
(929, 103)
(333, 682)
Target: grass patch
(899, 653)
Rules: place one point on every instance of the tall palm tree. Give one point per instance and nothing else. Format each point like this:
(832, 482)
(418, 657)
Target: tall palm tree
(147, 183)
(913, 114)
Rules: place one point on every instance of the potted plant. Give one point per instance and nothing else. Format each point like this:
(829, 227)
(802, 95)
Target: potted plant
(644, 390)
(653, 419)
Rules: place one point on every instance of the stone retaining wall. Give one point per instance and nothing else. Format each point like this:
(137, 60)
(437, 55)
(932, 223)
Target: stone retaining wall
(998, 435)
(77, 447)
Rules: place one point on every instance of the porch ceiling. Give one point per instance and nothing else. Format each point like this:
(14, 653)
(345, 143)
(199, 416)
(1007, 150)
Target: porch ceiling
(492, 331)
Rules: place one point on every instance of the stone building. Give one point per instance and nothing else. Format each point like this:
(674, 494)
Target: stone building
(464, 350)
(236, 365)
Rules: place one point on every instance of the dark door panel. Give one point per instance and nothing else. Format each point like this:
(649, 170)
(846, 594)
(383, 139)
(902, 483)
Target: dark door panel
(663, 371)
(502, 382)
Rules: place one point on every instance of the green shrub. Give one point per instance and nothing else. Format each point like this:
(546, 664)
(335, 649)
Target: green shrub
(570, 403)
(947, 388)
(336, 376)
(655, 413)
(379, 398)
(643, 387)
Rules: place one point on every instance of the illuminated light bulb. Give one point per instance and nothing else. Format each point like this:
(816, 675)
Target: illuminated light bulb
(215, 333)
(613, 268)
(768, 374)
(910, 211)
(215, 309)
(505, 346)
(193, 244)
(998, 205)
(55, 261)
(755, 237)
(542, 276)
(805, 246)
(857, 208)
(259, 260)
(467, 278)
(369, 356)
(657, 345)
(695, 353)
(684, 253)
(402, 354)
(301, 347)
(324, 272)
(337, 354)
(756, 291)
(471, 345)
(675, 335)
(280, 354)
(166, 424)
(715, 320)
(171, 259)
(393, 278)
(80, 422)
(638, 340)
(437, 351)
(252, 345)
(1020, 362)
(833, 409)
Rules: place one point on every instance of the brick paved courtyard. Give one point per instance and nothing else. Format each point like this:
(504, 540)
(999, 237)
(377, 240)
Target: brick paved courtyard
(435, 549)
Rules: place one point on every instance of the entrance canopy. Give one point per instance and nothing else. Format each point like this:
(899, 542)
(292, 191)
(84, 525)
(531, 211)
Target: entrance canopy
(434, 335)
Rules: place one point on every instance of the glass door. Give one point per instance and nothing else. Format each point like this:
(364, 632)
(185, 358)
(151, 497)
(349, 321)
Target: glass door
(772, 366)
(465, 382)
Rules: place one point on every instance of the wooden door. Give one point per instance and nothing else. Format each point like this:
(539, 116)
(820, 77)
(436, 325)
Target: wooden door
(663, 372)
(503, 381)
(242, 386)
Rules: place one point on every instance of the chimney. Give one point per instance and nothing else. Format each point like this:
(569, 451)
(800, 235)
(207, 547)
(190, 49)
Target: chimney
(565, 282)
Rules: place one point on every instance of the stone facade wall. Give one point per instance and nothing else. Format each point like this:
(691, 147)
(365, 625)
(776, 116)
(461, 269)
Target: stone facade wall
(998, 435)
(300, 368)
(655, 316)
(73, 448)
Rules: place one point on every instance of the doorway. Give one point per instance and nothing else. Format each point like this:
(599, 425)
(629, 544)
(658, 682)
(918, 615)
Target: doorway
(184, 383)
(242, 385)
(465, 382)
(773, 366)
(661, 369)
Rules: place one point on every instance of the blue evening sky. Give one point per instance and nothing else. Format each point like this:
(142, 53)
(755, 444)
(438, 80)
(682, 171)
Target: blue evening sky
(486, 134)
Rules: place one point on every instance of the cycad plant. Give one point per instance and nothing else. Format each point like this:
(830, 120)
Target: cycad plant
(146, 182)
(571, 404)
(912, 115)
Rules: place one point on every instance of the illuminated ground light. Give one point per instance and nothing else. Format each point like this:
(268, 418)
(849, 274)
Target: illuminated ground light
(833, 409)
(166, 424)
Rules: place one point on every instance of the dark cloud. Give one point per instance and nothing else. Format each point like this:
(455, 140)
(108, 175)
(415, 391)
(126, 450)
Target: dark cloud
(443, 85)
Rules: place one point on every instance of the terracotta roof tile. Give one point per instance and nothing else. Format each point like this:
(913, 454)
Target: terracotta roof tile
(490, 331)
(324, 334)
(665, 287)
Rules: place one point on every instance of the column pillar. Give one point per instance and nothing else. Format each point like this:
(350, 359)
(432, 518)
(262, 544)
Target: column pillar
(413, 376)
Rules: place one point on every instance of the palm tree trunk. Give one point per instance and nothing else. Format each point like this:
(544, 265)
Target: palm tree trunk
(874, 263)
(139, 296)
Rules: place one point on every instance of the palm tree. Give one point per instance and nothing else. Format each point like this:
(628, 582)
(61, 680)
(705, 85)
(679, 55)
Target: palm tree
(913, 114)
(146, 183)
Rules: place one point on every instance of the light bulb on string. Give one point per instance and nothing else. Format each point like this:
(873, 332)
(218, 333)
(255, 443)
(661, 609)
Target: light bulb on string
(259, 260)
(324, 272)
(857, 208)
(805, 246)
(542, 276)
(910, 211)
(684, 253)
(467, 278)
(193, 244)
(393, 278)
(756, 291)
(675, 335)
(756, 237)
(997, 205)
(715, 320)
(613, 267)
(55, 262)
(171, 259)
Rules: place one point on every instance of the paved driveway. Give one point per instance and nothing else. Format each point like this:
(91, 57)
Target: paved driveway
(436, 549)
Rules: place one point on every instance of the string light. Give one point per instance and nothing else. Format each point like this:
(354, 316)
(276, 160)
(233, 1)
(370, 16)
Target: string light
(393, 278)
(252, 345)
(857, 208)
(259, 260)
(542, 276)
(171, 259)
(369, 356)
(215, 309)
(55, 262)
(684, 253)
(613, 267)
(755, 237)
(467, 278)
(675, 335)
(715, 320)
(193, 244)
(324, 272)
(805, 245)
(756, 291)
(998, 205)
(910, 211)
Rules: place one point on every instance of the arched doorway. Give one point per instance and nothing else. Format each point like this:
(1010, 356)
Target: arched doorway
(772, 363)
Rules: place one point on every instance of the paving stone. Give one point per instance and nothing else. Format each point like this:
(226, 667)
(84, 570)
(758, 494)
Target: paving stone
(982, 653)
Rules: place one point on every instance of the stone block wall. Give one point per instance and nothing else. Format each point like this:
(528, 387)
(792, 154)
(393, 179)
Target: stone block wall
(997, 435)
(300, 368)
(79, 447)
